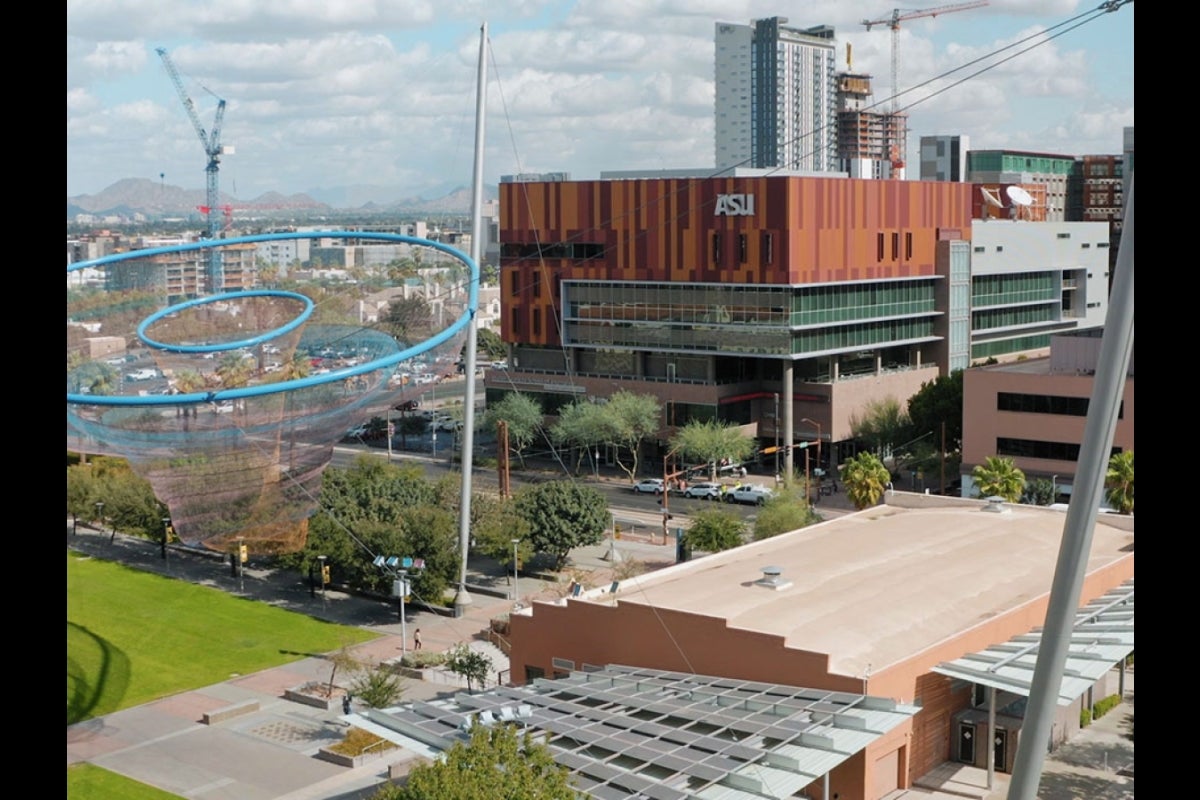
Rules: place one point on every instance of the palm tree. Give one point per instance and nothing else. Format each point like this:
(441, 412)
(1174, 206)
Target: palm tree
(865, 477)
(999, 477)
(1118, 483)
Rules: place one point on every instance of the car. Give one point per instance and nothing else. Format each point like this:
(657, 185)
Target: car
(447, 424)
(703, 491)
(407, 405)
(142, 375)
(649, 486)
(752, 495)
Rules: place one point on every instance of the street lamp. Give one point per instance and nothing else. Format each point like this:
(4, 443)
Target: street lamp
(516, 587)
(321, 576)
(814, 422)
(100, 512)
(807, 492)
(166, 531)
(1053, 491)
(596, 463)
(777, 435)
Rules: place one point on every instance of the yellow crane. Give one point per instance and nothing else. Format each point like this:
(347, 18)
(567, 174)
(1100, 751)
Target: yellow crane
(893, 22)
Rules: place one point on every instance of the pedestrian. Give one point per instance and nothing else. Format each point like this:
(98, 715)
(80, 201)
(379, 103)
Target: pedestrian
(346, 703)
(417, 639)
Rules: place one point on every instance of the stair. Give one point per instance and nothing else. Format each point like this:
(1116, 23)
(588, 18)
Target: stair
(497, 675)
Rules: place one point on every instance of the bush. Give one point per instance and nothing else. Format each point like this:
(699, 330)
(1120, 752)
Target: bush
(420, 659)
(1085, 717)
(1106, 705)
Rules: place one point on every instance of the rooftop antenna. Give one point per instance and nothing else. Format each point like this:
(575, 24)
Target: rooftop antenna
(1020, 199)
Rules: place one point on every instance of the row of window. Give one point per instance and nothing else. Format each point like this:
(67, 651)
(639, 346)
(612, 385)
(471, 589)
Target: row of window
(1046, 404)
(1033, 448)
(1011, 317)
(1020, 287)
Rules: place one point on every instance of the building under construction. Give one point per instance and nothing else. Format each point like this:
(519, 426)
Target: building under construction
(870, 144)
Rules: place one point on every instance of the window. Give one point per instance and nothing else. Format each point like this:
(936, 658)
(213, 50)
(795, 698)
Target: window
(1085, 245)
(895, 246)
(515, 283)
(537, 322)
(979, 249)
(769, 248)
(516, 321)
(742, 248)
(879, 248)
(537, 285)
(908, 245)
(999, 248)
(716, 248)
(1064, 236)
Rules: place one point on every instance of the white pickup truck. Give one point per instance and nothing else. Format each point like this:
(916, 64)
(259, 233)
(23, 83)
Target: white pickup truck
(752, 495)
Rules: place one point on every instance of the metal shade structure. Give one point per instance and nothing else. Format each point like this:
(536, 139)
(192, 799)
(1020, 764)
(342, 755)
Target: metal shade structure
(1101, 637)
(628, 731)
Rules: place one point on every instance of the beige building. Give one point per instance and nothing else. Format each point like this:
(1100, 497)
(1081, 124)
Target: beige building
(873, 603)
(1034, 411)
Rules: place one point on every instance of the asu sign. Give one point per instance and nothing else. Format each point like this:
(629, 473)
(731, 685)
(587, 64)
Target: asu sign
(734, 205)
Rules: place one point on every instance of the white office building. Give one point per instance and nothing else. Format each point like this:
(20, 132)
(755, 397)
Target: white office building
(776, 96)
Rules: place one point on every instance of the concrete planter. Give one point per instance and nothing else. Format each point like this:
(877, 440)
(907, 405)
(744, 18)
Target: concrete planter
(350, 761)
(307, 694)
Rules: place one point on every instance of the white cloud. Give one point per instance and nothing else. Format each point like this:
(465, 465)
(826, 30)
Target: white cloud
(322, 93)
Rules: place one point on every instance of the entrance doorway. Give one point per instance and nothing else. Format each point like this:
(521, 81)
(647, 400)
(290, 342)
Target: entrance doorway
(966, 742)
(1001, 745)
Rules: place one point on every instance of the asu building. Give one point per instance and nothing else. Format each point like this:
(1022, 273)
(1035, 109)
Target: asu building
(729, 297)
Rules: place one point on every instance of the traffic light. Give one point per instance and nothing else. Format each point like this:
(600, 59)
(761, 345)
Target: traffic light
(243, 553)
(325, 574)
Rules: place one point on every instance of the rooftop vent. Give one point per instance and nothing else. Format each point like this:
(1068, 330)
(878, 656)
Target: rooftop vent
(996, 505)
(773, 579)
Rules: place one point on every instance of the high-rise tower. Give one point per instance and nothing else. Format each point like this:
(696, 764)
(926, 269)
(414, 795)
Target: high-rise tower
(776, 96)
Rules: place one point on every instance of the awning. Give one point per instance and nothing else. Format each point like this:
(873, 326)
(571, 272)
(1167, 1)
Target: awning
(1101, 638)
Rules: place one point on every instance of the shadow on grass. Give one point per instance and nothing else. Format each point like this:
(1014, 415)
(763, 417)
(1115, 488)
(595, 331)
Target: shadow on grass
(97, 675)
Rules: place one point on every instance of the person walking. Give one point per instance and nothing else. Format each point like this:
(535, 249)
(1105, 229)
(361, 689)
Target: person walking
(417, 639)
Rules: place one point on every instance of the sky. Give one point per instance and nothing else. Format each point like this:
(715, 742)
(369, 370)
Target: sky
(378, 96)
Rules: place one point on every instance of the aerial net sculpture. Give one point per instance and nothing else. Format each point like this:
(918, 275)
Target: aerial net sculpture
(230, 403)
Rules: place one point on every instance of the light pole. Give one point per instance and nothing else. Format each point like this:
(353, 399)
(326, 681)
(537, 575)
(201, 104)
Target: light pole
(166, 531)
(321, 560)
(777, 434)
(516, 587)
(814, 422)
(596, 463)
(1053, 491)
(100, 512)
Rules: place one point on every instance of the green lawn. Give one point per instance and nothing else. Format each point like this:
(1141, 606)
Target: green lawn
(86, 782)
(133, 637)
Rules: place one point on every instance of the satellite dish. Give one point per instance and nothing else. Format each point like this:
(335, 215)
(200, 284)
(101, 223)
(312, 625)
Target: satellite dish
(991, 197)
(1019, 196)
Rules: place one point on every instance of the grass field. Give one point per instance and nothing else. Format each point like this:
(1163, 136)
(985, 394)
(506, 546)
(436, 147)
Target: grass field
(87, 782)
(133, 637)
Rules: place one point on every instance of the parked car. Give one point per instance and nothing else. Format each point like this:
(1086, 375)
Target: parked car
(752, 495)
(142, 375)
(703, 491)
(649, 486)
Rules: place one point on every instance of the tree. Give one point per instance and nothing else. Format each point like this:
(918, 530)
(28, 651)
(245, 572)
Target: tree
(378, 687)
(882, 425)
(998, 476)
(497, 763)
(523, 415)
(938, 401)
(490, 343)
(1038, 492)
(710, 441)
(786, 511)
(627, 419)
(714, 530)
(865, 477)
(1118, 482)
(342, 660)
(495, 522)
(470, 664)
(581, 425)
(409, 319)
(562, 515)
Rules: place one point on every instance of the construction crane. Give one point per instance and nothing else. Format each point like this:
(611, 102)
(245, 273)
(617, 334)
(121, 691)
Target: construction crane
(214, 150)
(902, 15)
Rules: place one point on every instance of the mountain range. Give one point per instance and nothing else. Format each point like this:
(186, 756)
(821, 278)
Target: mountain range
(140, 196)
